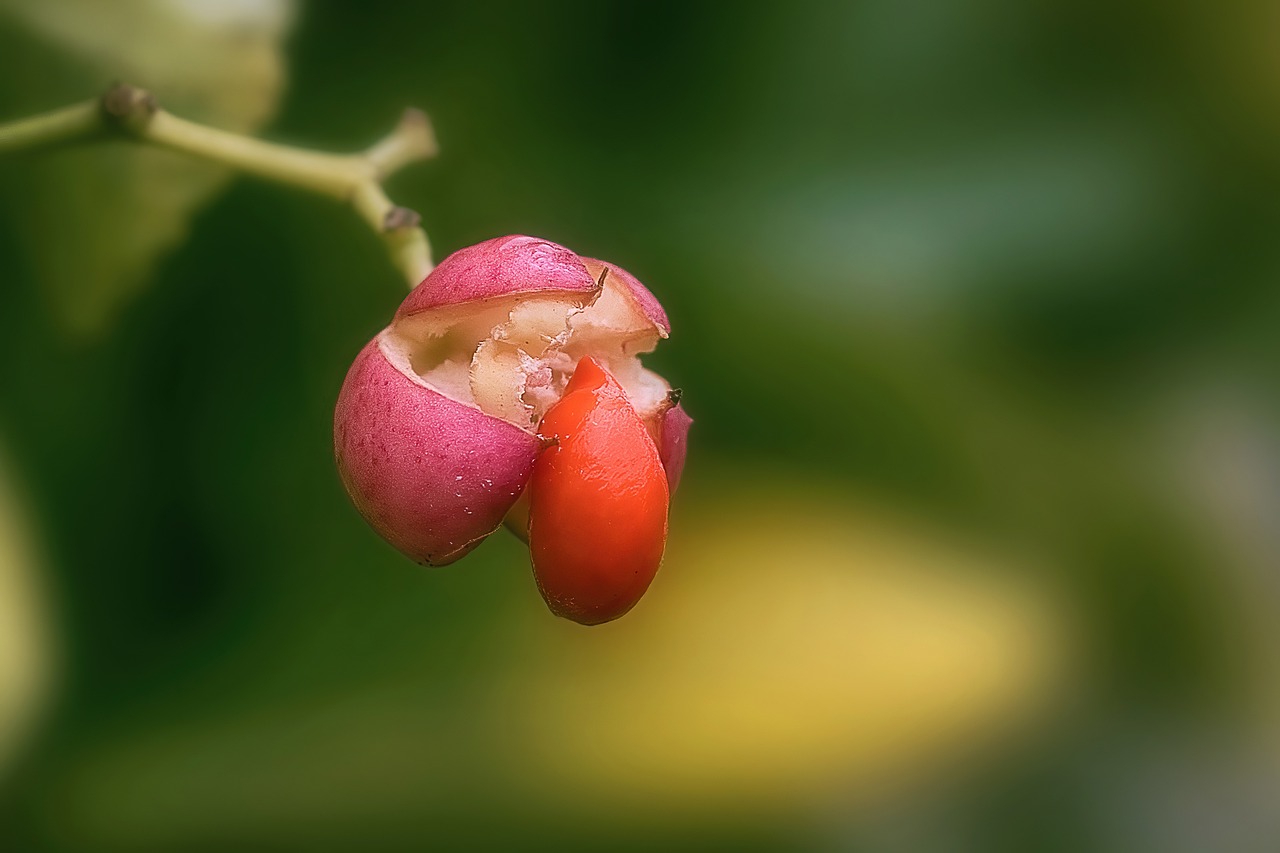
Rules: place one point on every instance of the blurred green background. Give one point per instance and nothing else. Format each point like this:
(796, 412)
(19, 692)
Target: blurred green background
(974, 301)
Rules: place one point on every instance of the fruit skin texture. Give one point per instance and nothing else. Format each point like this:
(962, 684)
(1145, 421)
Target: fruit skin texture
(598, 502)
(432, 476)
(501, 267)
(673, 444)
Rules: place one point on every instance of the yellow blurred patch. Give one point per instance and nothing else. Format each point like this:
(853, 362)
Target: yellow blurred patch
(789, 644)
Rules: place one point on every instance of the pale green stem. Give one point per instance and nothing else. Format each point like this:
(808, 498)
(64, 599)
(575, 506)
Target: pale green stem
(71, 123)
(352, 178)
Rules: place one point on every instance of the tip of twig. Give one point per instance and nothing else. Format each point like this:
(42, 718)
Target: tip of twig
(411, 140)
(400, 217)
(123, 103)
(417, 125)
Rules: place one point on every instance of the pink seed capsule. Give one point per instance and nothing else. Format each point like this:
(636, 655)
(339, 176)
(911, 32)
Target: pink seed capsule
(436, 426)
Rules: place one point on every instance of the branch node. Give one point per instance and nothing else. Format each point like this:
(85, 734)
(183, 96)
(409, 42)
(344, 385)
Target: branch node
(130, 111)
(400, 217)
(128, 106)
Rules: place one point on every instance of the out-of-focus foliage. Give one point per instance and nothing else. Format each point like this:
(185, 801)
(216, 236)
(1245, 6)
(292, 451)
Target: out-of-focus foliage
(94, 222)
(25, 636)
(873, 661)
(1000, 271)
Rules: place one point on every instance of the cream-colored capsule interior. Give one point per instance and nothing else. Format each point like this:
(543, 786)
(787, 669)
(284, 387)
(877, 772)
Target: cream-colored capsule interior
(512, 357)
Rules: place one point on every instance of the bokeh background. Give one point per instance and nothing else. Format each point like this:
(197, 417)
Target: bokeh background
(976, 307)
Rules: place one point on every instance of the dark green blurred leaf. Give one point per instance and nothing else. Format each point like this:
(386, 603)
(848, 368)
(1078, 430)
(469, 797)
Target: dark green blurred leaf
(95, 220)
